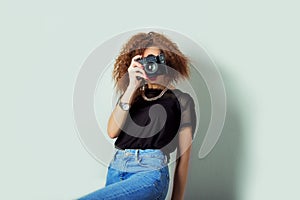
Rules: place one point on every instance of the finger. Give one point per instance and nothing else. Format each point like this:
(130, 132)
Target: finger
(141, 71)
(135, 64)
(139, 65)
(140, 76)
(136, 57)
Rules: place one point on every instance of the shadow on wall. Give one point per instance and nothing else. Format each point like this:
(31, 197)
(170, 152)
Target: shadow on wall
(215, 177)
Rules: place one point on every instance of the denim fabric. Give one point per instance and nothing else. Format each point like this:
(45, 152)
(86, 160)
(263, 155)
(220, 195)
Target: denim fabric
(135, 174)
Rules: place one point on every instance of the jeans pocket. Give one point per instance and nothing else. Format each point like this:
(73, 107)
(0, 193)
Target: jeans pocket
(165, 174)
(112, 176)
(162, 184)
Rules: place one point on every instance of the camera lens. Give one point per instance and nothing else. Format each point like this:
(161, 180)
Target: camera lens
(151, 67)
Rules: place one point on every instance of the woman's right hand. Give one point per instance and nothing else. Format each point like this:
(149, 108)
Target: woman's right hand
(118, 116)
(136, 70)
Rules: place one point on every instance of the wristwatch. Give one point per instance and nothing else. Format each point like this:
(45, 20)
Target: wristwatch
(124, 106)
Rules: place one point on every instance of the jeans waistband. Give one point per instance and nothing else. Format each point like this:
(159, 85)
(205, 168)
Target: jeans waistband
(142, 152)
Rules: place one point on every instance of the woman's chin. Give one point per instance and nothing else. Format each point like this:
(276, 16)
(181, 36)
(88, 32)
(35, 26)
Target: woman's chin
(152, 79)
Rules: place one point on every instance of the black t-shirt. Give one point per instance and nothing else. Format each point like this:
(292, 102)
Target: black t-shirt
(156, 124)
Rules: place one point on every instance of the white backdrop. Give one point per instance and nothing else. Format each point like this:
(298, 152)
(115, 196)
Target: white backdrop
(255, 45)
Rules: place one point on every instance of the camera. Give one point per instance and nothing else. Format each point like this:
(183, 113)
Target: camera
(154, 65)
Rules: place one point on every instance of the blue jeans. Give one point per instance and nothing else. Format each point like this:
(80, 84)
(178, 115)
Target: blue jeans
(135, 174)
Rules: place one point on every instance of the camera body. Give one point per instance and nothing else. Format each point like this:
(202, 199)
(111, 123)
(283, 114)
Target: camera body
(154, 65)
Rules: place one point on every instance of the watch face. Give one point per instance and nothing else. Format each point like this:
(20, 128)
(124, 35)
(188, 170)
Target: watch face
(125, 106)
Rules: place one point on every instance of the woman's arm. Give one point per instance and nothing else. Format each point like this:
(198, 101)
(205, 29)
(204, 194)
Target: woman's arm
(182, 164)
(118, 116)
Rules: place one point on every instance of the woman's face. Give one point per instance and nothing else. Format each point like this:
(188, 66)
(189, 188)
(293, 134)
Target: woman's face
(160, 79)
(151, 50)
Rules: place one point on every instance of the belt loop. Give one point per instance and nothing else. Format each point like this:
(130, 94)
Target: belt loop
(115, 154)
(136, 154)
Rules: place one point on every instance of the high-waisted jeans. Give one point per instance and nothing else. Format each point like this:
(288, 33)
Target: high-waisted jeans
(135, 174)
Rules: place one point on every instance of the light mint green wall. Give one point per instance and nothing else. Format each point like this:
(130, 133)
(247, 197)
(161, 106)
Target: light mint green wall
(255, 44)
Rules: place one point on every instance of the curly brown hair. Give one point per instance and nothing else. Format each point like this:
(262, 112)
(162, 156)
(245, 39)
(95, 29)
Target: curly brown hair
(136, 45)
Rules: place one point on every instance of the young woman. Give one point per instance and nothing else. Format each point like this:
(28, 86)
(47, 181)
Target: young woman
(151, 120)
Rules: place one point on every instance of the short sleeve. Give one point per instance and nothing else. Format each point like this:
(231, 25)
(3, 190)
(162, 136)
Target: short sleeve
(188, 113)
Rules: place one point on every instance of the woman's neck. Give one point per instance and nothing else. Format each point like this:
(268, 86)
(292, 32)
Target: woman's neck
(155, 86)
(158, 86)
